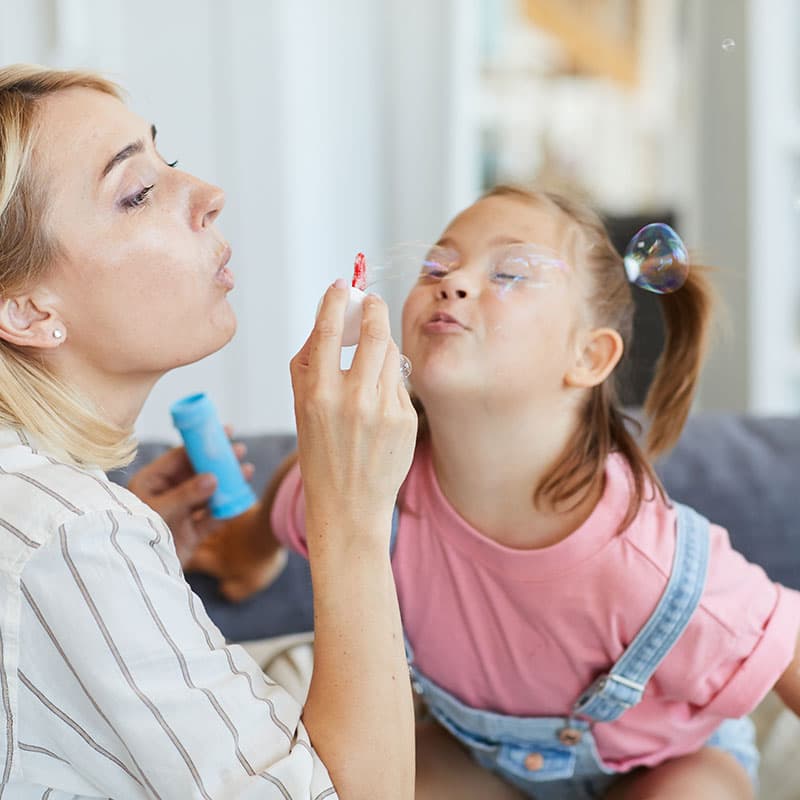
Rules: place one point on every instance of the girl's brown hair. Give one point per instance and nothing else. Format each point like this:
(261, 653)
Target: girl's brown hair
(605, 427)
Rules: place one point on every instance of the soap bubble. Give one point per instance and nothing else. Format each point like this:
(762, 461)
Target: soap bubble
(728, 45)
(656, 259)
(405, 366)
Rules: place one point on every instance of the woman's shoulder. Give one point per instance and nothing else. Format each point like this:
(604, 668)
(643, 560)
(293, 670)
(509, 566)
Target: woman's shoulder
(39, 493)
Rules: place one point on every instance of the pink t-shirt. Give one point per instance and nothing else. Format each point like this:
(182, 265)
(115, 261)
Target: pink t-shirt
(524, 632)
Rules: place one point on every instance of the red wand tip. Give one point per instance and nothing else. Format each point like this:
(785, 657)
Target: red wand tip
(360, 272)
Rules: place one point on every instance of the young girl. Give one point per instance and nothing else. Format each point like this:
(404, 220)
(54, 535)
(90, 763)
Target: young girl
(575, 631)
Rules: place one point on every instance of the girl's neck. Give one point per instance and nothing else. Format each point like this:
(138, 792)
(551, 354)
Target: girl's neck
(489, 466)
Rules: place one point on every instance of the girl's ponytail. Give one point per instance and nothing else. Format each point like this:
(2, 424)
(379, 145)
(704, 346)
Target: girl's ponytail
(687, 323)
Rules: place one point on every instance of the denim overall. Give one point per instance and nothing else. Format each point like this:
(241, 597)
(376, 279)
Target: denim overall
(556, 757)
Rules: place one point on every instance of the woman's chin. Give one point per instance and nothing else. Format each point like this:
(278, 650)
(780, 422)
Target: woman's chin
(210, 345)
(226, 334)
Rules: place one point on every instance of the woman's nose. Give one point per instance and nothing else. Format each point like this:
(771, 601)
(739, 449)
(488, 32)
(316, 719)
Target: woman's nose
(209, 201)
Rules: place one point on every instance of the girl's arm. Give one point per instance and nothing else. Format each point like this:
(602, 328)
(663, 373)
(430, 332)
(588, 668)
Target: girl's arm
(244, 554)
(788, 685)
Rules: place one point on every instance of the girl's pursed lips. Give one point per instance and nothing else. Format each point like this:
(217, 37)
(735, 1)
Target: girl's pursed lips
(441, 321)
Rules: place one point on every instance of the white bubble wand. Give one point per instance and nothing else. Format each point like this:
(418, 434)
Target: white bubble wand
(354, 311)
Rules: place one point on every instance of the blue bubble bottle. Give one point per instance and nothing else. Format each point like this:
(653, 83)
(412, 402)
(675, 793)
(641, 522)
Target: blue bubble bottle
(210, 450)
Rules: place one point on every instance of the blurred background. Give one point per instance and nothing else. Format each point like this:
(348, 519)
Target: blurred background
(344, 125)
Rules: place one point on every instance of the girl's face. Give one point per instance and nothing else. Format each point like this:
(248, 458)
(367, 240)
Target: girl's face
(139, 282)
(495, 311)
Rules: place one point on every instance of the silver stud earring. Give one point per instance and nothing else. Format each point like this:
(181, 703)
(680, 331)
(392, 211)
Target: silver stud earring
(58, 333)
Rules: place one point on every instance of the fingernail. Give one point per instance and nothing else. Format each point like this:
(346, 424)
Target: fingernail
(340, 283)
(208, 481)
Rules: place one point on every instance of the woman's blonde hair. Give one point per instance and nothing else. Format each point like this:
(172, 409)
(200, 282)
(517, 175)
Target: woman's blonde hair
(31, 396)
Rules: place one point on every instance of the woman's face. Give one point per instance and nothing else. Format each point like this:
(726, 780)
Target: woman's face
(139, 282)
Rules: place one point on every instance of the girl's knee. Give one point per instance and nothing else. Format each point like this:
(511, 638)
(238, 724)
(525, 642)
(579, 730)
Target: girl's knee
(709, 774)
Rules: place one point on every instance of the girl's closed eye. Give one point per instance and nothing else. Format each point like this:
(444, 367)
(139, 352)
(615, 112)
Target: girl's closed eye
(511, 270)
(523, 265)
(438, 263)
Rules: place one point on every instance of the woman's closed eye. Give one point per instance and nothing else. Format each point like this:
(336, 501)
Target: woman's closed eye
(142, 197)
(139, 199)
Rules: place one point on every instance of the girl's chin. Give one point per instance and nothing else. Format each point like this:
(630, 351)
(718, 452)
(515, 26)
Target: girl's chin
(438, 385)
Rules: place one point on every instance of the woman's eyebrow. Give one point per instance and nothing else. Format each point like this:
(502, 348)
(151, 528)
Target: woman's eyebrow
(130, 150)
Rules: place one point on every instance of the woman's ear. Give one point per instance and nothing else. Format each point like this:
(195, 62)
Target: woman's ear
(25, 321)
(599, 352)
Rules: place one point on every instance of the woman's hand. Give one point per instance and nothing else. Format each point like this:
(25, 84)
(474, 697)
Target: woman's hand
(356, 428)
(356, 431)
(170, 486)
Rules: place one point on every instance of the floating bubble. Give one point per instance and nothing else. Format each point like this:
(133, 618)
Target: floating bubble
(405, 366)
(728, 45)
(656, 259)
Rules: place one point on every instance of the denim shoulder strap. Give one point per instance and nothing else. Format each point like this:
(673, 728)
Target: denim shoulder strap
(621, 688)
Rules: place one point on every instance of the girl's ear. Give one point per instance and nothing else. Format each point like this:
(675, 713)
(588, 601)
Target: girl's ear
(599, 352)
(26, 322)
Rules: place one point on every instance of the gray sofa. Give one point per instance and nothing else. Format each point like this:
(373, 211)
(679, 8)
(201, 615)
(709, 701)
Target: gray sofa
(740, 471)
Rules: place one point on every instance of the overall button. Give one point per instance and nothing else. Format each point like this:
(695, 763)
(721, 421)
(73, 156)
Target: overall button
(569, 736)
(534, 761)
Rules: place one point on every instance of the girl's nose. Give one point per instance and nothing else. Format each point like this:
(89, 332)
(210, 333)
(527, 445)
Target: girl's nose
(459, 284)
(445, 292)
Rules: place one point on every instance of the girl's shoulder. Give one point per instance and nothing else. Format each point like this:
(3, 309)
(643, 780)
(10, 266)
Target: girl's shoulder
(738, 595)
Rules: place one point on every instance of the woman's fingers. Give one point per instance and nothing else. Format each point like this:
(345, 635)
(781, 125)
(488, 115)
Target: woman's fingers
(322, 349)
(375, 338)
(390, 375)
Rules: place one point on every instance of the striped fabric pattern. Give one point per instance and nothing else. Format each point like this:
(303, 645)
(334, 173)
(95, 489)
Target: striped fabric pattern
(114, 683)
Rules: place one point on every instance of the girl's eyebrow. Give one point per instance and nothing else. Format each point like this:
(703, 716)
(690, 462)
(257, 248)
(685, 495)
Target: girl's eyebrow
(127, 152)
(506, 240)
(448, 242)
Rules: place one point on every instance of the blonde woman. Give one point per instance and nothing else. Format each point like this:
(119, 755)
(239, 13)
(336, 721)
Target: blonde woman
(113, 681)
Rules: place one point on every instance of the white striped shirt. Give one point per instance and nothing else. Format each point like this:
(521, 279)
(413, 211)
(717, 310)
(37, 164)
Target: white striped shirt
(114, 682)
